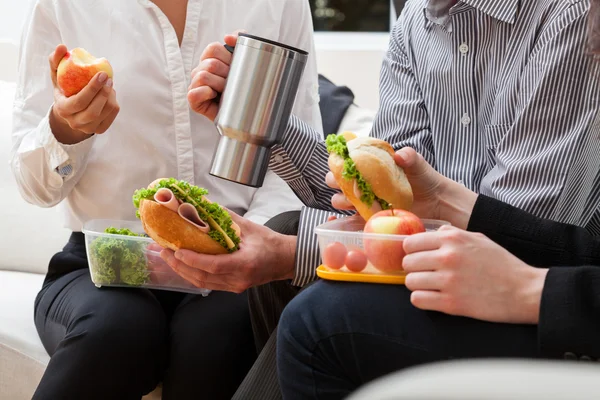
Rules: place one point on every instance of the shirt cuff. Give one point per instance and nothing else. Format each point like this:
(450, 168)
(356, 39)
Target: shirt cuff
(308, 257)
(63, 159)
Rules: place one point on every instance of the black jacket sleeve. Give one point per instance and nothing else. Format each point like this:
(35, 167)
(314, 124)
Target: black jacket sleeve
(537, 241)
(570, 313)
(569, 322)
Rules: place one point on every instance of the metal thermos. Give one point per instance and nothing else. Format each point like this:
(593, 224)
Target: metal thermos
(255, 107)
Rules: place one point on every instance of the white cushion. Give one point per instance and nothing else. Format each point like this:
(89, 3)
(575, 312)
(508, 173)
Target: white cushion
(17, 330)
(42, 228)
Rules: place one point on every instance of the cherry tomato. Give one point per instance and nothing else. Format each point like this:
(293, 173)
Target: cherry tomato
(334, 255)
(356, 260)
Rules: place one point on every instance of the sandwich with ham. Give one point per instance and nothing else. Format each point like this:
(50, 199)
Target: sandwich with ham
(367, 174)
(178, 215)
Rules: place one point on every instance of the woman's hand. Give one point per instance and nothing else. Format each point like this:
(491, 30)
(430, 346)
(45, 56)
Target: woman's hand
(208, 78)
(91, 111)
(466, 274)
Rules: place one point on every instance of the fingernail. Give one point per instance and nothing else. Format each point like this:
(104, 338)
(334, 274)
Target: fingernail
(401, 155)
(109, 82)
(178, 255)
(102, 77)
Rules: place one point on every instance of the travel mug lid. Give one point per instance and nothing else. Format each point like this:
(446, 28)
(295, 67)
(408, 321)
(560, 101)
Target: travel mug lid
(272, 46)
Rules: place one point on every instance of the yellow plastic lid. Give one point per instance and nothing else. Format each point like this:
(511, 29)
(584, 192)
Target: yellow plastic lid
(325, 273)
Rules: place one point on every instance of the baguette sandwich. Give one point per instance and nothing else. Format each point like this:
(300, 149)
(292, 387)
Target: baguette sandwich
(178, 215)
(367, 174)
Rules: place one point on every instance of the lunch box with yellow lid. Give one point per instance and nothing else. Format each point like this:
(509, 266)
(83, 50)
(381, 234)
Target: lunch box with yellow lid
(350, 254)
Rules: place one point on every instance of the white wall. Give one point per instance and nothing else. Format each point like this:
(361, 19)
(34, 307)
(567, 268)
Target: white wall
(12, 14)
(351, 60)
(359, 70)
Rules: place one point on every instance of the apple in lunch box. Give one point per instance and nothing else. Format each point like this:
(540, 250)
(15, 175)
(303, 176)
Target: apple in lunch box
(77, 68)
(386, 254)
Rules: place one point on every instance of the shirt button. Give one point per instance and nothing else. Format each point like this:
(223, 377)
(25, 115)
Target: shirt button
(278, 159)
(463, 48)
(465, 119)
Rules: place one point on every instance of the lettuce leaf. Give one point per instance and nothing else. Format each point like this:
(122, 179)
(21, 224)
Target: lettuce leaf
(350, 172)
(116, 260)
(184, 192)
(337, 144)
(123, 231)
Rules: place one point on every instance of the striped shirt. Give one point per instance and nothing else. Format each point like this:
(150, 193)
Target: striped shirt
(499, 96)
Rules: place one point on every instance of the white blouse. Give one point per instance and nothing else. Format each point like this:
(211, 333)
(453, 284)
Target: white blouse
(156, 134)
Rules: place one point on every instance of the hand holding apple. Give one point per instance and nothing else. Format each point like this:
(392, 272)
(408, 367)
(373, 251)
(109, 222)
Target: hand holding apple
(85, 102)
(387, 255)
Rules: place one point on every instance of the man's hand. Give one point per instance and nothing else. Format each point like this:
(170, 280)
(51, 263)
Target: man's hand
(264, 256)
(466, 274)
(435, 196)
(208, 78)
(426, 183)
(91, 111)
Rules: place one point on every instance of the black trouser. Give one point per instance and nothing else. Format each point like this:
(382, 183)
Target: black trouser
(334, 337)
(266, 305)
(113, 343)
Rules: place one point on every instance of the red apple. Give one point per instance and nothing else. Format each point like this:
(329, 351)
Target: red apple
(386, 254)
(77, 68)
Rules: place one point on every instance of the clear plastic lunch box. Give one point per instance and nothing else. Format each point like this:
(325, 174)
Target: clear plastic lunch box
(129, 261)
(381, 254)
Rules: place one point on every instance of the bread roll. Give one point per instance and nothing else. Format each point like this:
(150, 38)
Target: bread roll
(171, 231)
(374, 160)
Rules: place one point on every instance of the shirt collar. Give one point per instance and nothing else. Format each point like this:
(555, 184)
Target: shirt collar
(437, 11)
(503, 10)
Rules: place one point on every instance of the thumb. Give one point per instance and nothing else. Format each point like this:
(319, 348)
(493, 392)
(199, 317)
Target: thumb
(411, 162)
(231, 39)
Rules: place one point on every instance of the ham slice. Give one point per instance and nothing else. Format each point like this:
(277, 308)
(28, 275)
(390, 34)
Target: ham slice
(166, 198)
(190, 214)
